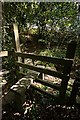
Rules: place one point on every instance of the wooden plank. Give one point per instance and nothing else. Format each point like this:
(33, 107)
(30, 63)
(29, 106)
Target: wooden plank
(43, 91)
(42, 70)
(16, 34)
(69, 54)
(17, 42)
(75, 90)
(17, 93)
(47, 83)
(71, 49)
(56, 98)
(62, 61)
(64, 84)
(3, 53)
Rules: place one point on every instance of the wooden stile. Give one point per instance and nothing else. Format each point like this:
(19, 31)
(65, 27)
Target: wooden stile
(63, 75)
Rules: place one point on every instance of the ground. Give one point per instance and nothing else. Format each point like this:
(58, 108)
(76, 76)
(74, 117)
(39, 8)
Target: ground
(39, 107)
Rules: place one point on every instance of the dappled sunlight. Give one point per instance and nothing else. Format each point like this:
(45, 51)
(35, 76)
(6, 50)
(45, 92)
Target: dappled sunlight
(40, 71)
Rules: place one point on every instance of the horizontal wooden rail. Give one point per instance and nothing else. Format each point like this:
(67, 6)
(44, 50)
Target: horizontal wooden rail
(43, 91)
(43, 70)
(47, 83)
(3, 53)
(62, 61)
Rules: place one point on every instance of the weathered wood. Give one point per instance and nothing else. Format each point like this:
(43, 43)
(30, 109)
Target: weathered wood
(62, 61)
(47, 83)
(71, 49)
(16, 34)
(66, 70)
(17, 93)
(17, 42)
(3, 53)
(64, 83)
(42, 70)
(44, 92)
(63, 89)
(55, 98)
(74, 91)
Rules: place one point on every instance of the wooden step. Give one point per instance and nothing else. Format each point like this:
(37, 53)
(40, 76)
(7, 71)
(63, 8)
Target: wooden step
(17, 93)
(45, 92)
(47, 83)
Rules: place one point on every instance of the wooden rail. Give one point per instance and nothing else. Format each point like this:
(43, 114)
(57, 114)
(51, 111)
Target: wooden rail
(3, 53)
(62, 61)
(47, 83)
(64, 75)
(42, 70)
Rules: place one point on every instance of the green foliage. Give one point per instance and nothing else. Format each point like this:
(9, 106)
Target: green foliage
(51, 21)
(54, 21)
(54, 52)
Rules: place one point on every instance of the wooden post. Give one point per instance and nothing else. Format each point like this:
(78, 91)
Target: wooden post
(74, 90)
(69, 54)
(71, 49)
(17, 42)
(0, 58)
(18, 48)
(16, 34)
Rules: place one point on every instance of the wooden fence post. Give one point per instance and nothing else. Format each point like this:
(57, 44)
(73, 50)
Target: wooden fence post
(16, 34)
(18, 48)
(69, 54)
(17, 42)
(0, 58)
(74, 90)
(71, 49)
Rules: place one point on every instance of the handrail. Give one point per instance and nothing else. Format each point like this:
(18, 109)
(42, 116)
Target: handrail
(55, 60)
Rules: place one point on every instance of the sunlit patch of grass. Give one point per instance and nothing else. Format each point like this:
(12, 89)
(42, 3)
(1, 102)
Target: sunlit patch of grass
(53, 52)
(34, 31)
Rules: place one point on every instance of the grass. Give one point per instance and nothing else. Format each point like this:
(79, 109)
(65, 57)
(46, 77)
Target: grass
(53, 52)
